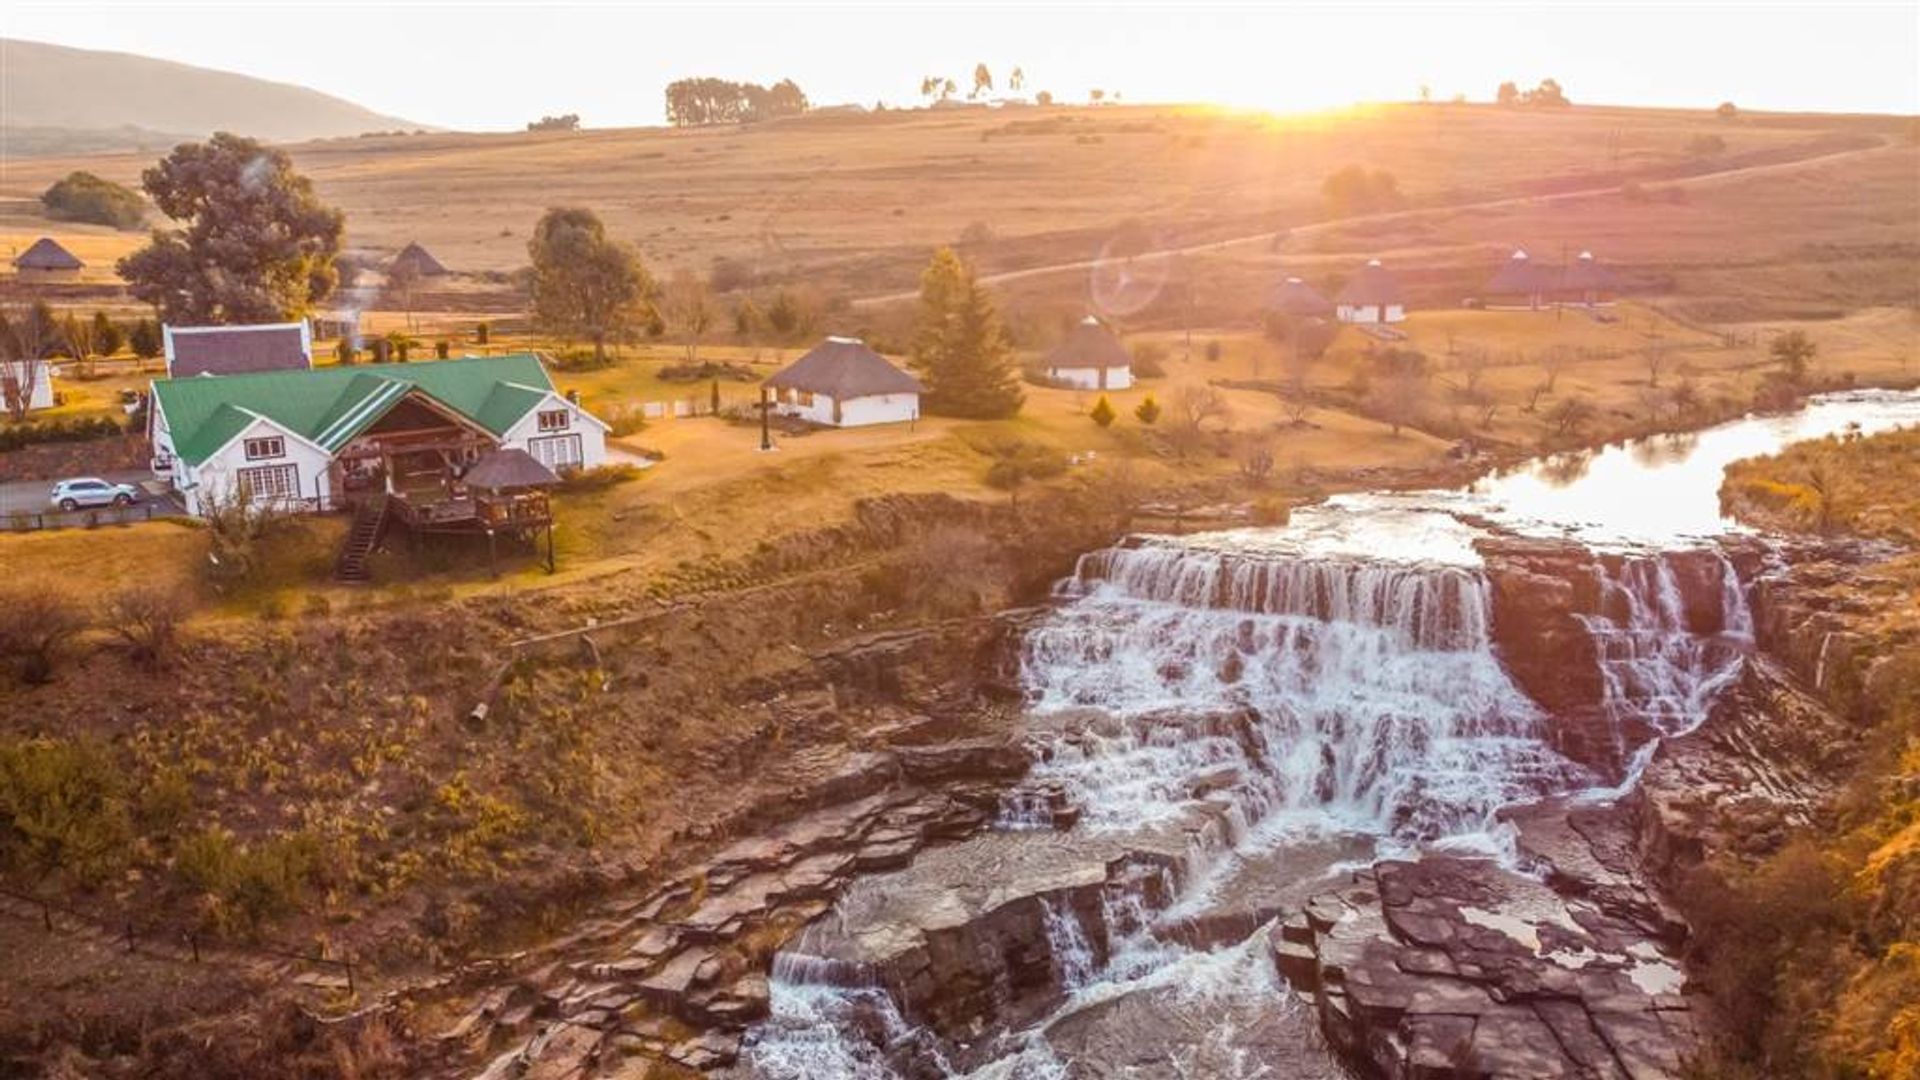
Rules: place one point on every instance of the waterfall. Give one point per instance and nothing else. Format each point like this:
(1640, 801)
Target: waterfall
(1655, 667)
(1365, 691)
(1073, 960)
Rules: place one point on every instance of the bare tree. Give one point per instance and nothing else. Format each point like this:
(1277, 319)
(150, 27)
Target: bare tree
(1255, 459)
(147, 619)
(36, 623)
(687, 304)
(402, 278)
(1655, 354)
(28, 338)
(1553, 362)
(1399, 389)
(1569, 415)
(1195, 407)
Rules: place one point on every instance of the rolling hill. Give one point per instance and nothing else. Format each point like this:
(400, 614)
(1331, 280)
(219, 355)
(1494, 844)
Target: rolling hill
(63, 100)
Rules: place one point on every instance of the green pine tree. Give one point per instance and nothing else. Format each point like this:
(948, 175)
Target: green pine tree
(1147, 411)
(960, 349)
(1102, 413)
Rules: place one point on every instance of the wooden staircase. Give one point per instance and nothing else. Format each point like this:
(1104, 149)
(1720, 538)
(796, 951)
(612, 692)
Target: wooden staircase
(369, 525)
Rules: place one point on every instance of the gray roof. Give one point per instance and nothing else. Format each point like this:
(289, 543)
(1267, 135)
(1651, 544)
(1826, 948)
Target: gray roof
(236, 350)
(47, 254)
(509, 469)
(1089, 345)
(1374, 284)
(842, 369)
(1586, 273)
(1296, 297)
(420, 259)
(1522, 276)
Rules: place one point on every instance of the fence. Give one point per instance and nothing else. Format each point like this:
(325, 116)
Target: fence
(36, 520)
(183, 946)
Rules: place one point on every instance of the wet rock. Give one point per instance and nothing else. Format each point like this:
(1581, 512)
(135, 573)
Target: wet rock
(1766, 756)
(1456, 967)
(1541, 588)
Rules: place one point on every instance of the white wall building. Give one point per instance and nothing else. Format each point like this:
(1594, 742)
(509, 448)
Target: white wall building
(842, 383)
(307, 439)
(1090, 358)
(1372, 296)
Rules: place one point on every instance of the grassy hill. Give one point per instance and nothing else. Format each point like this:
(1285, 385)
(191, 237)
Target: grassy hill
(62, 100)
(851, 203)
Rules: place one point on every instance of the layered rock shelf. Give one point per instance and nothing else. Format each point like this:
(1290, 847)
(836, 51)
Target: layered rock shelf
(679, 973)
(1457, 967)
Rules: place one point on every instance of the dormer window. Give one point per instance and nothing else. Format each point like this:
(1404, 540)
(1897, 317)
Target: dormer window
(555, 420)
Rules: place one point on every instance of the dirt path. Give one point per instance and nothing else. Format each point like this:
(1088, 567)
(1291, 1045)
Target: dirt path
(1316, 228)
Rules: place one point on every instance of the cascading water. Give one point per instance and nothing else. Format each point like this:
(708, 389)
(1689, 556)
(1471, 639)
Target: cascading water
(1364, 690)
(1253, 694)
(1656, 667)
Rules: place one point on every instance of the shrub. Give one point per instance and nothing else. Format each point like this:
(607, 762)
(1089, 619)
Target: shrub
(245, 885)
(442, 349)
(146, 340)
(147, 620)
(36, 624)
(1706, 145)
(1213, 351)
(68, 429)
(1150, 360)
(601, 478)
(63, 806)
(82, 196)
(1148, 411)
(482, 332)
(1103, 413)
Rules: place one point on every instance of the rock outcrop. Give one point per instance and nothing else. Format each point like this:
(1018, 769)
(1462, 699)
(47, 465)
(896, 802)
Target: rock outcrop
(1458, 967)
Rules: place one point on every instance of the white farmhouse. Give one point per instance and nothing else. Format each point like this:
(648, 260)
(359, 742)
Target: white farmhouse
(842, 383)
(26, 381)
(1090, 358)
(1372, 296)
(314, 439)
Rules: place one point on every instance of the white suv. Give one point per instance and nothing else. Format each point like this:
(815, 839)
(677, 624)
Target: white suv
(92, 491)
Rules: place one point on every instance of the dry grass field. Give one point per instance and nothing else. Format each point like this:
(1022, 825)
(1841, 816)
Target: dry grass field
(859, 198)
(1796, 218)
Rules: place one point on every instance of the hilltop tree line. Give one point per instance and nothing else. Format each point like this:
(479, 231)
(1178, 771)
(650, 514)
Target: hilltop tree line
(694, 102)
(1549, 93)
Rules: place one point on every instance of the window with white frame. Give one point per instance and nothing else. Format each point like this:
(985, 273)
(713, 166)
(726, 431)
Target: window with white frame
(555, 420)
(270, 482)
(557, 452)
(267, 446)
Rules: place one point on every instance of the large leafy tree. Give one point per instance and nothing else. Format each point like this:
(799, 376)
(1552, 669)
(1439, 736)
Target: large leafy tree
(252, 242)
(960, 347)
(584, 284)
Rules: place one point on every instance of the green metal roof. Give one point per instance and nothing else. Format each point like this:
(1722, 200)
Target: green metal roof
(330, 406)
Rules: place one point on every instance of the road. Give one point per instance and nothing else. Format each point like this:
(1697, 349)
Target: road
(29, 497)
(1302, 231)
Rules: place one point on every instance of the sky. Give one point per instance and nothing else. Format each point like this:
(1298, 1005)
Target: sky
(494, 66)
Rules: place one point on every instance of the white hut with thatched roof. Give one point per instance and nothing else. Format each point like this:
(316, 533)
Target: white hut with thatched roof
(842, 383)
(1588, 282)
(1522, 281)
(1090, 358)
(47, 261)
(1371, 296)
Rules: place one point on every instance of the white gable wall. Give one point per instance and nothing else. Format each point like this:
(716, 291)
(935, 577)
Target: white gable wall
(40, 395)
(217, 479)
(592, 433)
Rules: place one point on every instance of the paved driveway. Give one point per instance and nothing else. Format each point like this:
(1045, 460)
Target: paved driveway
(24, 505)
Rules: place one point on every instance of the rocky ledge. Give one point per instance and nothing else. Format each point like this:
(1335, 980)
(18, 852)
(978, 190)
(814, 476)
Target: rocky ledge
(676, 975)
(1457, 966)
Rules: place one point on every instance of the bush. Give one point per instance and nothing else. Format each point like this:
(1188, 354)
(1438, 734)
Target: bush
(36, 624)
(244, 885)
(82, 196)
(705, 370)
(1103, 413)
(1706, 145)
(601, 478)
(63, 806)
(69, 429)
(1150, 360)
(147, 620)
(1148, 411)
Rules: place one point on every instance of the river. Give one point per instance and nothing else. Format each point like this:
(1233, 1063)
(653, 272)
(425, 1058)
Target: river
(1224, 724)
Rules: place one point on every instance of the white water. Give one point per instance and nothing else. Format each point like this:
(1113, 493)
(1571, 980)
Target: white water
(1255, 690)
